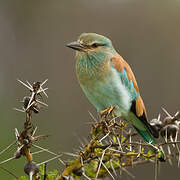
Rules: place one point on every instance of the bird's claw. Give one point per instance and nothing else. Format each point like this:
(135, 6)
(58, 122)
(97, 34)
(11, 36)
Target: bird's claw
(106, 112)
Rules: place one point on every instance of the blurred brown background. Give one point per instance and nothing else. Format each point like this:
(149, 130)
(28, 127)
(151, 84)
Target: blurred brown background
(33, 35)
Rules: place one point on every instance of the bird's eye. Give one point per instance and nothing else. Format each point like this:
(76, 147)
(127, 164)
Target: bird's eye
(95, 45)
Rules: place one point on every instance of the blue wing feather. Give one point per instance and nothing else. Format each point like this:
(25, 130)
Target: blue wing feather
(129, 85)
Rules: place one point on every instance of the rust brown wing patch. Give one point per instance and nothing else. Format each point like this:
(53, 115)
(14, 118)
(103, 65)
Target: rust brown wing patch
(120, 64)
(140, 108)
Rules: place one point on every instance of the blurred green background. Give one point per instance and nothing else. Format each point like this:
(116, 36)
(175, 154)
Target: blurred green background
(33, 35)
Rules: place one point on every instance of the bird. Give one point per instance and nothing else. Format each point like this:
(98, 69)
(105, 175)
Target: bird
(108, 81)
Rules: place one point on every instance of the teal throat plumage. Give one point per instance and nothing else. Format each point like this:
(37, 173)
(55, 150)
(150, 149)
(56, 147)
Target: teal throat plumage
(107, 80)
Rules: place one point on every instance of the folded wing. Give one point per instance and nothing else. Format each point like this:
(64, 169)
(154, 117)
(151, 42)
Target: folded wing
(129, 81)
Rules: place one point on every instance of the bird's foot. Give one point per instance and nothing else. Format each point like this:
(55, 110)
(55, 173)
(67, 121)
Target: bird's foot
(107, 112)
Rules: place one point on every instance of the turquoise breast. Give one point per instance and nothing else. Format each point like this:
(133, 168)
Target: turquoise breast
(107, 91)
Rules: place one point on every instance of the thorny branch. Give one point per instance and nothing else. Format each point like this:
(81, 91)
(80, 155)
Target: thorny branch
(26, 138)
(113, 147)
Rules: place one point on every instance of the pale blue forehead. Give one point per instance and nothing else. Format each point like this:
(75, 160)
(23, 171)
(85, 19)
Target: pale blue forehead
(89, 38)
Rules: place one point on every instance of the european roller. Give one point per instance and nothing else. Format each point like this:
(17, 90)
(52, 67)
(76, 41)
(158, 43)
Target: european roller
(108, 81)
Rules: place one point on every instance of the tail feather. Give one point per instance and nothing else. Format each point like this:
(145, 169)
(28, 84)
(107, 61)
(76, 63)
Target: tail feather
(146, 135)
(150, 139)
(143, 119)
(142, 126)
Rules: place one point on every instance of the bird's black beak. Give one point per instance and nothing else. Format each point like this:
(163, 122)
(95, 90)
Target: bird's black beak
(76, 46)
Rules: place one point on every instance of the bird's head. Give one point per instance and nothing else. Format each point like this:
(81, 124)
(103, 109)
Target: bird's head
(91, 42)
